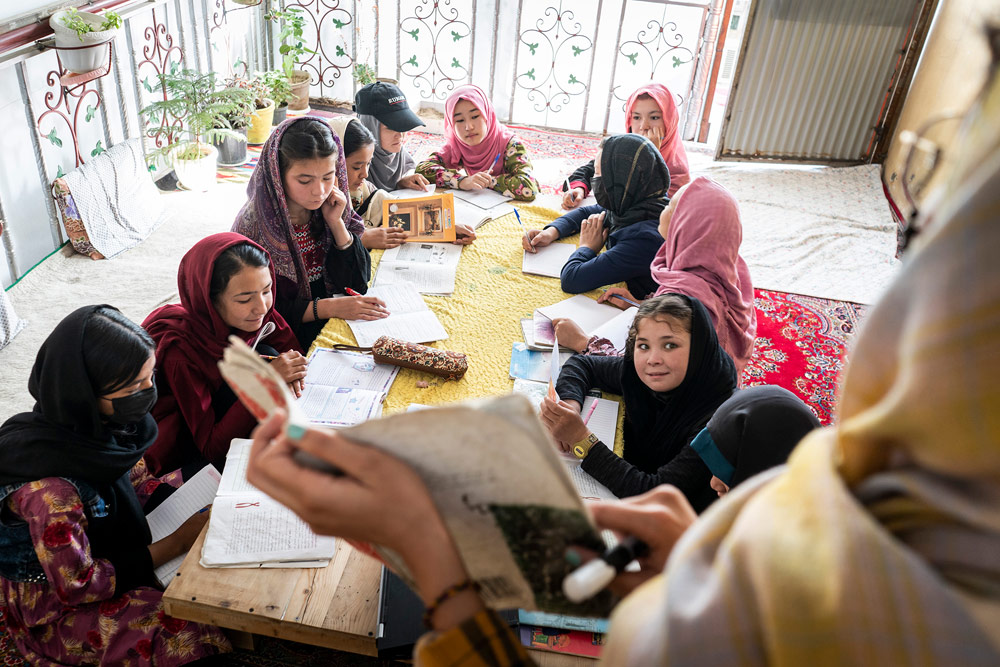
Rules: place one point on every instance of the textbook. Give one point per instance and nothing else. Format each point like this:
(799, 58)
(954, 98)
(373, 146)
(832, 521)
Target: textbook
(431, 267)
(426, 218)
(344, 388)
(474, 216)
(248, 528)
(409, 317)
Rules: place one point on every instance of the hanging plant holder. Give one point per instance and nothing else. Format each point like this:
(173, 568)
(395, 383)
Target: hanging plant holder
(70, 79)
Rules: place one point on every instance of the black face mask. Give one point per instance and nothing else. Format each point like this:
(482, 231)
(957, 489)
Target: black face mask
(600, 192)
(132, 408)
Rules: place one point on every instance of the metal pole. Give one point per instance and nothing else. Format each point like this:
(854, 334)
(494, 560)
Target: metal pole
(8, 248)
(208, 35)
(590, 74)
(138, 88)
(126, 126)
(29, 112)
(194, 31)
(517, 50)
(614, 67)
(104, 110)
(493, 55)
(181, 32)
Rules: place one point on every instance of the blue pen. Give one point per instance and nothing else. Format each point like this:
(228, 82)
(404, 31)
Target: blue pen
(526, 237)
(495, 160)
(626, 300)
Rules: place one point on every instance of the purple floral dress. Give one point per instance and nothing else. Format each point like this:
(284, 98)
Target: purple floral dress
(516, 180)
(74, 618)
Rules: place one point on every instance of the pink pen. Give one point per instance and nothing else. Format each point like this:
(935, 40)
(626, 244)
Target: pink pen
(590, 412)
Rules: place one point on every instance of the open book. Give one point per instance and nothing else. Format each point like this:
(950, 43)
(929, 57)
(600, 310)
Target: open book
(409, 317)
(344, 388)
(431, 267)
(250, 529)
(594, 318)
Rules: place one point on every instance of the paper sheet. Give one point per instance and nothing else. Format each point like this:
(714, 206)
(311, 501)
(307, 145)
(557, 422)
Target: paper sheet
(195, 494)
(616, 329)
(484, 199)
(431, 267)
(584, 311)
(410, 319)
(340, 406)
(548, 260)
(338, 368)
(254, 528)
(408, 193)
(234, 480)
(603, 422)
(474, 216)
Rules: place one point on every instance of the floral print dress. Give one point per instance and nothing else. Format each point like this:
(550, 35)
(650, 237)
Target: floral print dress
(75, 618)
(516, 180)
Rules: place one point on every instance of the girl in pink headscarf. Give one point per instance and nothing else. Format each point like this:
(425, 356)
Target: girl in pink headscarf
(479, 152)
(700, 258)
(651, 112)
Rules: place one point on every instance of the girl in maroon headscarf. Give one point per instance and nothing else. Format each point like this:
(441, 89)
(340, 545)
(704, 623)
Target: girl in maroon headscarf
(651, 112)
(479, 152)
(226, 286)
(300, 212)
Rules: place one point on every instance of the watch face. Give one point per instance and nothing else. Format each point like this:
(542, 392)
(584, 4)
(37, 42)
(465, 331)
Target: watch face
(579, 451)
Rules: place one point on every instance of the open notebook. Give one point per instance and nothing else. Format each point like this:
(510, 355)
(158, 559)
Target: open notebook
(344, 388)
(409, 317)
(250, 529)
(596, 319)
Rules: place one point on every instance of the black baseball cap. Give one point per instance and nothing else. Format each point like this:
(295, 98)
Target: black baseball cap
(387, 103)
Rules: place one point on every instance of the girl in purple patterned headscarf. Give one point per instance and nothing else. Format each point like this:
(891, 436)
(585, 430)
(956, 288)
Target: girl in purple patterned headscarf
(299, 212)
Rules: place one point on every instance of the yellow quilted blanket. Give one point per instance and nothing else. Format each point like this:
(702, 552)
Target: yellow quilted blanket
(482, 317)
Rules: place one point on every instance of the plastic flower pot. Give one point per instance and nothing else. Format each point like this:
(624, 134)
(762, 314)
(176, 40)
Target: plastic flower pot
(300, 91)
(260, 123)
(232, 152)
(82, 60)
(197, 174)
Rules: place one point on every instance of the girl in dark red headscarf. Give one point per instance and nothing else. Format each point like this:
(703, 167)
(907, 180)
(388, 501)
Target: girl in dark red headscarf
(226, 287)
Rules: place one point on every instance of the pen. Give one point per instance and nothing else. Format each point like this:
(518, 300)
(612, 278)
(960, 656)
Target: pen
(268, 357)
(204, 509)
(587, 580)
(625, 299)
(495, 160)
(568, 188)
(590, 412)
(351, 292)
(523, 229)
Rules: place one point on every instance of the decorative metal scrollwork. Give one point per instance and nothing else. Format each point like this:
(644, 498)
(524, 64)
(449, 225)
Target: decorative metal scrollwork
(448, 61)
(160, 56)
(329, 60)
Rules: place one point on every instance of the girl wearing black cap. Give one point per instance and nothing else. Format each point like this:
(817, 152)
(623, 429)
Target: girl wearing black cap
(382, 109)
(76, 558)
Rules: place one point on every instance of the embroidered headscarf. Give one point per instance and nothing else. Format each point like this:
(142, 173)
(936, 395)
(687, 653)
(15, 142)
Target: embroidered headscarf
(633, 183)
(482, 156)
(670, 146)
(264, 218)
(701, 258)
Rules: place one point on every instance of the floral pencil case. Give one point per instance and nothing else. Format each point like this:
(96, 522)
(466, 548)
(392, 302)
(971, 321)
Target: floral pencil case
(443, 363)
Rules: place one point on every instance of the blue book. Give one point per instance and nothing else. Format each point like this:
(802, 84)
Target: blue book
(532, 364)
(525, 617)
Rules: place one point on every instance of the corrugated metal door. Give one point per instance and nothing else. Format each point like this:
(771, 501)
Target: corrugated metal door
(814, 78)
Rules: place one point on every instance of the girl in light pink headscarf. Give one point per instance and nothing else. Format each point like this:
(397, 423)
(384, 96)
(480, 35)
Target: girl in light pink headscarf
(700, 258)
(651, 112)
(479, 152)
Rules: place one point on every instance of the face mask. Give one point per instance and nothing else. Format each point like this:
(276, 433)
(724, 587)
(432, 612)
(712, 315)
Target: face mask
(600, 193)
(132, 408)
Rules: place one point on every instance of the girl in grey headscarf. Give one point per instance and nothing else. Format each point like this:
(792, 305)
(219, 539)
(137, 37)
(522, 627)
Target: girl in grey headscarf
(382, 108)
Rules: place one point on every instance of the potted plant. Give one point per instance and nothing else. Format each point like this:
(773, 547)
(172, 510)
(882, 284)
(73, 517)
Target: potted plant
(233, 150)
(262, 111)
(74, 28)
(293, 22)
(204, 106)
(364, 73)
(278, 89)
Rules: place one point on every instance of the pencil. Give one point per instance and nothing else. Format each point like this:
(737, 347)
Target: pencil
(590, 412)
(523, 229)
(625, 299)
(268, 357)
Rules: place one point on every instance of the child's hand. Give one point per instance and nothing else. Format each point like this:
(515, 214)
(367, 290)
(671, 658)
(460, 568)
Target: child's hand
(572, 198)
(465, 234)
(476, 181)
(592, 232)
(413, 182)
(383, 237)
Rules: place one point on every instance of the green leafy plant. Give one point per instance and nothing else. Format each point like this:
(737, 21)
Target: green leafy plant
(293, 24)
(206, 109)
(364, 73)
(75, 22)
(279, 88)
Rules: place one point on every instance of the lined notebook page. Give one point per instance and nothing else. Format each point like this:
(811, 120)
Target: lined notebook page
(194, 494)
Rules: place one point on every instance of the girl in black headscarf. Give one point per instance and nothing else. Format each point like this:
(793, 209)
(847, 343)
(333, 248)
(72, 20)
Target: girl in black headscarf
(76, 558)
(630, 186)
(673, 377)
(756, 429)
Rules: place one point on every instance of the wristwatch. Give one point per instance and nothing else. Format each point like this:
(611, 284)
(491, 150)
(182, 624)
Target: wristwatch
(582, 448)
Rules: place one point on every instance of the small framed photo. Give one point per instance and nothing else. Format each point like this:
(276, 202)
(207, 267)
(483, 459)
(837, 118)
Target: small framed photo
(426, 219)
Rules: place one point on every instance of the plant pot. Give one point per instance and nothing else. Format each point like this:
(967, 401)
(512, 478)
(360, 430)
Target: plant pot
(300, 90)
(260, 124)
(280, 113)
(232, 152)
(198, 174)
(82, 60)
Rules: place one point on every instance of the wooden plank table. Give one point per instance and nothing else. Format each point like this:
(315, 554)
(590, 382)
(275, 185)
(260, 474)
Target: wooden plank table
(337, 606)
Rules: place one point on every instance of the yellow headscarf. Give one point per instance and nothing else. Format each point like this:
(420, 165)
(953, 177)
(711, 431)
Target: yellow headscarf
(880, 541)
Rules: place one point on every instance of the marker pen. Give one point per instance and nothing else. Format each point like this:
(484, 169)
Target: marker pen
(589, 579)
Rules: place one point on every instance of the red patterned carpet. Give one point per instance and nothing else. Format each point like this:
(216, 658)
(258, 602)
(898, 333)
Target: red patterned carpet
(802, 344)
